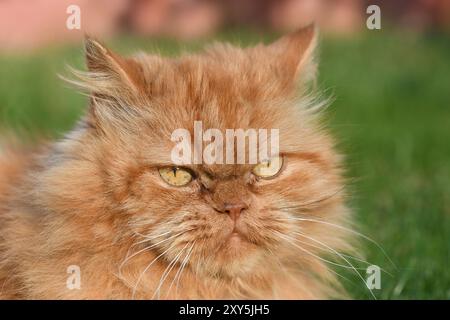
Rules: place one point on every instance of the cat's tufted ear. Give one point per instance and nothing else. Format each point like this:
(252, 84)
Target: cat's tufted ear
(114, 83)
(294, 54)
(109, 70)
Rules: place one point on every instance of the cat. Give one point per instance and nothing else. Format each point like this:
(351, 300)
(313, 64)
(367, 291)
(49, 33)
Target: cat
(103, 213)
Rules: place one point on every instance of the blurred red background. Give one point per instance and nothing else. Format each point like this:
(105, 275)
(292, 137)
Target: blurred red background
(31, 24)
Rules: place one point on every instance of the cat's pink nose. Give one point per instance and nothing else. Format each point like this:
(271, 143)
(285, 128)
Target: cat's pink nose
(234, 210)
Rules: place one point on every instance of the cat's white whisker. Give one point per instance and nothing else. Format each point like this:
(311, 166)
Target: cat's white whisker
(200, 258)
(342, 257)
(306, 205)
(127, 258)
(180, 271)
(290, 240)
(322, 248)
(145, 249)
(147, 238)
(146, 269)
(346, 255)
(167, 271)
(330, 269)
(350, 231)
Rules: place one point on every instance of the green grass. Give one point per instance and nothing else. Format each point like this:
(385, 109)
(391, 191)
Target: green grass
(391, 112)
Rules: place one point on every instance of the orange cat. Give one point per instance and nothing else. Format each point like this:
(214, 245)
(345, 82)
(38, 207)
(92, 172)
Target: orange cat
(105, 214)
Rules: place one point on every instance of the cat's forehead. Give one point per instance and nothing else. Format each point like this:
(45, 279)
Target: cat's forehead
(218, 99)
(223, 90)
(229, 78)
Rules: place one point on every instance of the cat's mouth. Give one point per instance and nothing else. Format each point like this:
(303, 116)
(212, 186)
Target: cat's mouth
(236, 239)
(235, 242)
(237, 236)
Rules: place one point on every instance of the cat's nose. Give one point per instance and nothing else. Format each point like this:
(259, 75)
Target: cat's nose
(234, 210)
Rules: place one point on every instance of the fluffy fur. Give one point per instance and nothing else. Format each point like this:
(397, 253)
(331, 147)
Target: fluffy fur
(95, 199)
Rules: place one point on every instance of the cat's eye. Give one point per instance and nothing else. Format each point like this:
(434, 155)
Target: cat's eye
(175, 176)
(268, 169)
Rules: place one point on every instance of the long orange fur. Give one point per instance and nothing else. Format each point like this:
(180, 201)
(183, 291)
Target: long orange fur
(94, 199)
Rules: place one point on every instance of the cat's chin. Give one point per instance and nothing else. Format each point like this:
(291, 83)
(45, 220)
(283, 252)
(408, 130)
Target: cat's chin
(239, 258)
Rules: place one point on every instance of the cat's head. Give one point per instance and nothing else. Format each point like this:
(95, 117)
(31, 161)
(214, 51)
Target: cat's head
(223, 219)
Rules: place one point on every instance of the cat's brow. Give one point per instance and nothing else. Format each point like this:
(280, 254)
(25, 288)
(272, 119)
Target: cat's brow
(312, 157)
(224, 171)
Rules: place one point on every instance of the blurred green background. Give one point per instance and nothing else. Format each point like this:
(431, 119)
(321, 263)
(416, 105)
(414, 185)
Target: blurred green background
(391, 113)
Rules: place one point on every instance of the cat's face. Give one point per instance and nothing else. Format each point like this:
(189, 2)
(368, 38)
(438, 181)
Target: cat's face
(220, 218)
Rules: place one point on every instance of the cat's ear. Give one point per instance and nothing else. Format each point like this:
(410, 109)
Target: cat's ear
(294, 54)
(109, 73)
(114, 84)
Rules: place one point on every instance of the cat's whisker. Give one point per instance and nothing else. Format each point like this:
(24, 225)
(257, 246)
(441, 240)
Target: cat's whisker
(145, 249)
(143, 222)
(147, 239)
(340, 255)
(183, 268)
(180, 270)
(322, 248)
(128, 258)
(348, 230)
(290, 240)
(150, 238)
(277, 258)
(139, 223)
(330, 269)
(200, 258)
(146, 269)
(347, 255)
(366, 262)
(307, 205)
(167, 271)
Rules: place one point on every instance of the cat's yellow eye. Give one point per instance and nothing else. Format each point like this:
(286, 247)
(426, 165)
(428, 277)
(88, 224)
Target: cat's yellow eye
(175, 176)
(268, 169)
